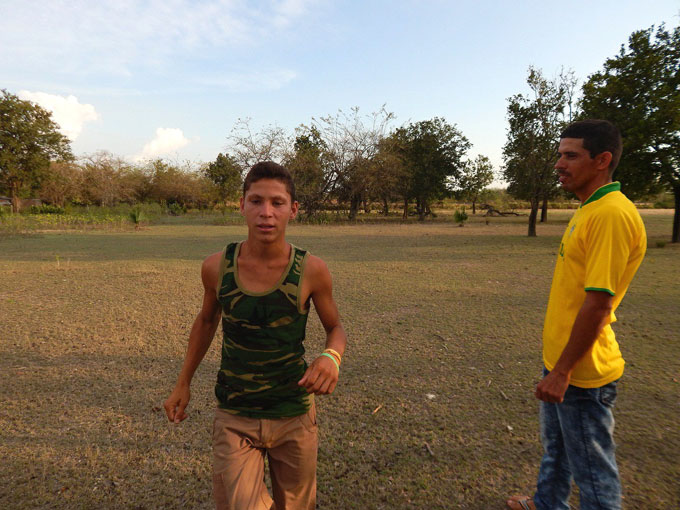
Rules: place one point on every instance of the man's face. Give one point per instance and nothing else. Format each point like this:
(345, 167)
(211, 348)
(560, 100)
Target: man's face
(577, 171)
(267, 208)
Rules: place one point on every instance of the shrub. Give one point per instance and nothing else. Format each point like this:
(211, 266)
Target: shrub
(663, 200)
(176, 209)
(151, 211)
(136, 216)
(666, 204)
(46, 209)
(460, 216)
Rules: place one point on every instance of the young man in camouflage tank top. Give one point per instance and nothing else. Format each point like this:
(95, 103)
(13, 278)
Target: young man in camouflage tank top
(261, 288)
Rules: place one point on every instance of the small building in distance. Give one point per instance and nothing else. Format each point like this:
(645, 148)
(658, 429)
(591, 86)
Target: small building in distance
(23, 203)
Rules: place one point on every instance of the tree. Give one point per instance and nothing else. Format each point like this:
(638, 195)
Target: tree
(309, 169)
(433, 151)
(174, 184)
(535, 124)
(475, 177)
(136, 184)
(102, 180)
(639, 91)
(225, 173)
(271, 143)
(389, 176)
(29, 140)
(61, 183)
(351, 141)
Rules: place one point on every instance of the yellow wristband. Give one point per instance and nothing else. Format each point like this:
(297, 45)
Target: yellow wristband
(332, 359)
(335, 353)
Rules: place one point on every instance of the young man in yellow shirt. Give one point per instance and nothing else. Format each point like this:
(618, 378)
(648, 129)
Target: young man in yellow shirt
(600, 252)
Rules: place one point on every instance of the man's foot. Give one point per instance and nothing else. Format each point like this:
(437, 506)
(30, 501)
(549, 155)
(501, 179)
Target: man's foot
(520, 503)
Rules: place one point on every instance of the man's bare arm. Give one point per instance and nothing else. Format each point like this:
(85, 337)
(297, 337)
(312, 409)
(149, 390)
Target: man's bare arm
(321, 376)
(590, 320)
(200, 338)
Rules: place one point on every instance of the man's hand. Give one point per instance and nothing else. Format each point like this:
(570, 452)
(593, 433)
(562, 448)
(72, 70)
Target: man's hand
(321, 376)
(553, 387)
(177, 402)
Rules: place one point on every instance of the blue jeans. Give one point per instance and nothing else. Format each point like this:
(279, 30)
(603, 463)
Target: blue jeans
(578, 444)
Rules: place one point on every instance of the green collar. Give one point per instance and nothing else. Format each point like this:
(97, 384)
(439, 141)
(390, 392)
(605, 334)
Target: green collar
(602, 191)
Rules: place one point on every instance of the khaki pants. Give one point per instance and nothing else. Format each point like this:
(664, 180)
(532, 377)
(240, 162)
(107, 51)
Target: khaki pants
(239, 447)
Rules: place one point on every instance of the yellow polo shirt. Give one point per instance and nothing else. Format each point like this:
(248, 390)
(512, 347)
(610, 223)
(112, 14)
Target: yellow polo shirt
(601, 250)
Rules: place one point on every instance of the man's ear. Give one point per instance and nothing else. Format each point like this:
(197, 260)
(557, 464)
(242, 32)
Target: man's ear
(603, 160)
(241, 202)
(294, 207)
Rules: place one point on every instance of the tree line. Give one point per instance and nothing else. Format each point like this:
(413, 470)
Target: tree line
(638, 90)
(355, 161)
(347, 160)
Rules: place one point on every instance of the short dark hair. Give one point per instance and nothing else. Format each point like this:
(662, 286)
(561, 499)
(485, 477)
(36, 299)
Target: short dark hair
(598, 136)
(270, 170)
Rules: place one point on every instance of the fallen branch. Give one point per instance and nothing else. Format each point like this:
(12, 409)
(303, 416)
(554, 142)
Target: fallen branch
(492, 211)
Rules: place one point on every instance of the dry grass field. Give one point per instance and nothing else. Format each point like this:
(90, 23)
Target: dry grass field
(434, 409)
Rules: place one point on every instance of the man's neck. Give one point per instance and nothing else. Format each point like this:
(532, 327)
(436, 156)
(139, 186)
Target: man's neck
(592, 188)
(265, 251)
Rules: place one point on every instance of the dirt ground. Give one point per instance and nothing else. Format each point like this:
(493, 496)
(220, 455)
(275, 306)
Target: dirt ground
(434, 408)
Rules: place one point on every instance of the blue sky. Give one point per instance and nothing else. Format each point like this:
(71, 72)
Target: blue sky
(170, 78)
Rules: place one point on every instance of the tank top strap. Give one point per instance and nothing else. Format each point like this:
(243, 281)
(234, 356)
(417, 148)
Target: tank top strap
(291, 285)
(227, 275)
(295, 273)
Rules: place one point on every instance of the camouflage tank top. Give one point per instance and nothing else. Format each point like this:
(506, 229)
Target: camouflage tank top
(262, 352)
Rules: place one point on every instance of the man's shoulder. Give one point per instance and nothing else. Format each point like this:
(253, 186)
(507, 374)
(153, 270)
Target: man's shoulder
(619, 198)
(314, 264)
(316, 273)
(615, 214)
(614, 205)
(210, 269)
(213, 259)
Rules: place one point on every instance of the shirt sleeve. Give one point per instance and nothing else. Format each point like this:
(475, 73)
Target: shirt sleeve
(608, 245)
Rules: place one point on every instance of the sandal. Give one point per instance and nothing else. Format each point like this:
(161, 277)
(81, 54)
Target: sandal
(520, 503)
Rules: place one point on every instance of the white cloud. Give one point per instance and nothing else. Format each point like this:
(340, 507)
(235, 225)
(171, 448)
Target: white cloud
(120, 38)
(167, 140)
(67, 111)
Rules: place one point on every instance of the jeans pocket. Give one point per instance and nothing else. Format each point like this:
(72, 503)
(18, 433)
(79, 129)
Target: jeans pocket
(608, 394)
